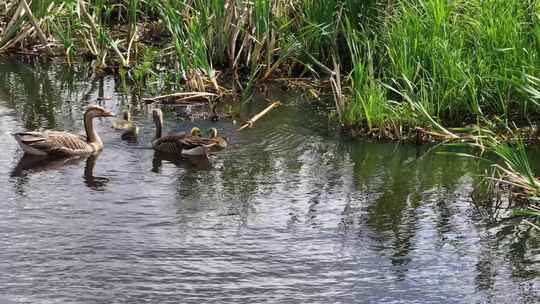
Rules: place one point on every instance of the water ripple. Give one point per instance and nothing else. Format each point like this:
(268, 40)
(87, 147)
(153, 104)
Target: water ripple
(287, 214)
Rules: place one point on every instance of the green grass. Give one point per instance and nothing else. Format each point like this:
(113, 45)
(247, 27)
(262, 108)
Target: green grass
(460, 62)
(464, 59)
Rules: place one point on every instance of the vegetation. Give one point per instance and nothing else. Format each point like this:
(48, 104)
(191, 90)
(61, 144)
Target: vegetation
(512, 170)
(389, 62)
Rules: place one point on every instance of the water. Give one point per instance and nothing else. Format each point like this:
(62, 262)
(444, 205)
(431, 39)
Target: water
(290, 213)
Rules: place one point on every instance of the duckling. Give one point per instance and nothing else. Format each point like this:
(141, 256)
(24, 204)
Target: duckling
(131, 134)
(221, 142)
(195, 131)
(124, 123)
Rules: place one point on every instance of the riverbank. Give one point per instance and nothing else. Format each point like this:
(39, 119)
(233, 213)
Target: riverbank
(389, 64)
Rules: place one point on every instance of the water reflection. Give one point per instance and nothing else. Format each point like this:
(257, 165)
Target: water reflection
(30, 164)
(93, 182)
(187, 162)
(289, 211)
(33, 163)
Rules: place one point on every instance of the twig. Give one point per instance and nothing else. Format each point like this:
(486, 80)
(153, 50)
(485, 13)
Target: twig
(16, 16)
(253, 119)
(533, 225)
(184, 96)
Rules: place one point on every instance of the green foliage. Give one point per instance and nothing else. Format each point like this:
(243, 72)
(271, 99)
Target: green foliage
(465, 58)
(456, 61)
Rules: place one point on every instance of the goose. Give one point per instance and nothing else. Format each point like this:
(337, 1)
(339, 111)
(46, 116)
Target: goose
(179, 143)
(54, 143)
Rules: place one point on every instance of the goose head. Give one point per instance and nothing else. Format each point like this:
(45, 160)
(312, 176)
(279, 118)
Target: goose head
(212, 133)
(97, 111)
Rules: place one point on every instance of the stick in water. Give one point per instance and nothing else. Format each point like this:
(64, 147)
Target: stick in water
(253, 119)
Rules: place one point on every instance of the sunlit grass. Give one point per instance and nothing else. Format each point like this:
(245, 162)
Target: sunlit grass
(459, 61)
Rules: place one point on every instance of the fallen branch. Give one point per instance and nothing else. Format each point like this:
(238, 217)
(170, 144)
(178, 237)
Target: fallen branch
(181, 97)
(533, 225)
(253, 119)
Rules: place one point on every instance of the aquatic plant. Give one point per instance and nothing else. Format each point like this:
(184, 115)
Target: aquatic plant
(459, 61)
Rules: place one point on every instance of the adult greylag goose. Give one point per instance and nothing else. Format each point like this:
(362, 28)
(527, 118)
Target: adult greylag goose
(54, 143)
(179, 143)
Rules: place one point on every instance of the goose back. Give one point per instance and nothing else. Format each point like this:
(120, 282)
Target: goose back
(179, 143)
(54, 143)
(64, 143)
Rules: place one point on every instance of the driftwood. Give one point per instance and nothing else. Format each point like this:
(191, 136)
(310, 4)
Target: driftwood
(253, 119)
(182, 97)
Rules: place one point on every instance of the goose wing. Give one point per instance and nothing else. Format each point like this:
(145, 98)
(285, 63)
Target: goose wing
(54, 142)
(189, 142)
(168, 144)
(175, 143)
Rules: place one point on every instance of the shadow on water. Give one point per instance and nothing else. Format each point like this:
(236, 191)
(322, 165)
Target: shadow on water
(288, 213)
(30, 164)
(187, 162)
(91, 181)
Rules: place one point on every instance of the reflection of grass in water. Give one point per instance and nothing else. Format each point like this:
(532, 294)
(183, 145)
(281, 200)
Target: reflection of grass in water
(510, 162)
(40, 92)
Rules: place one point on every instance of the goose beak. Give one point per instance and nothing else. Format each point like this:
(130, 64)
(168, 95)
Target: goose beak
(109, 114)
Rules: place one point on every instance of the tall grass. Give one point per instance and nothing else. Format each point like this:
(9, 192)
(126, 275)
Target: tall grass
(459, 61)
(464, 59)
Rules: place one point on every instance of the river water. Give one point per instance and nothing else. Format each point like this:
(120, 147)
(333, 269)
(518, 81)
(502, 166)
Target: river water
(289, 213)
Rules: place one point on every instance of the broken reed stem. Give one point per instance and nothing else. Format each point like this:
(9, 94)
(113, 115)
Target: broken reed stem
(336, 90)
(184, 96)
(85, 13)
(15, 16)
(39, 32)
(253, 119)
(533, 225)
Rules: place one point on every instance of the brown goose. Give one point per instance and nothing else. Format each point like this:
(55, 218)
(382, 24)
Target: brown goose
(53, 143)
(179, 143)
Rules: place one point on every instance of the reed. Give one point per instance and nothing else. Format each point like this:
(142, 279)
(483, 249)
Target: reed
(459, 61)
(465, 59)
